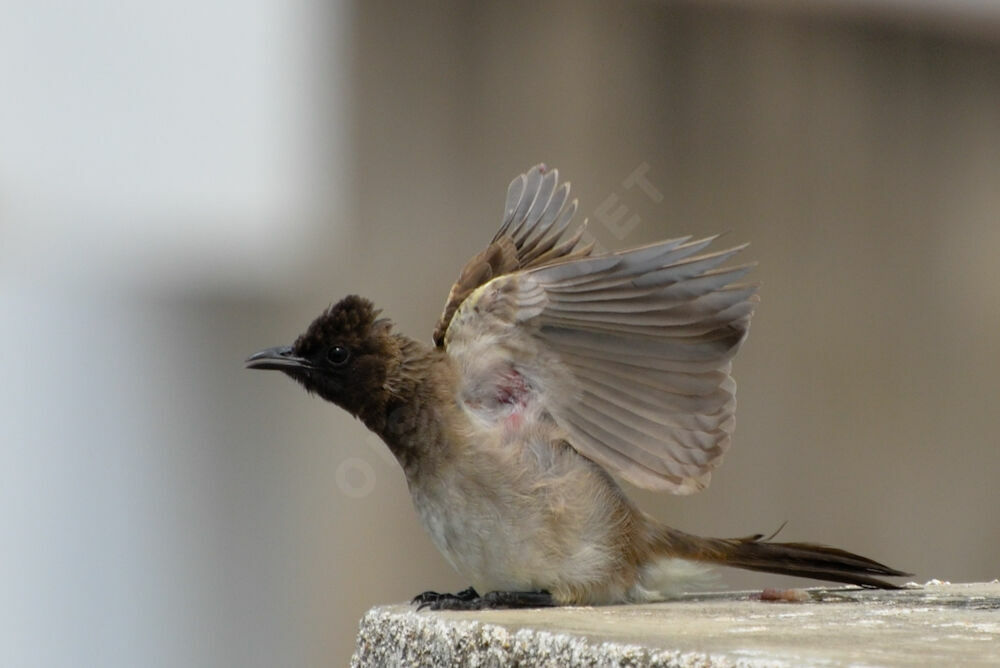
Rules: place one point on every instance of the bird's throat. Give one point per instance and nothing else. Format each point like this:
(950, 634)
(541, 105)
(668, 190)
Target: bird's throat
(419, 405)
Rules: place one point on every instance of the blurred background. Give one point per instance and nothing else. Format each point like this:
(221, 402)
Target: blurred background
(184, 183)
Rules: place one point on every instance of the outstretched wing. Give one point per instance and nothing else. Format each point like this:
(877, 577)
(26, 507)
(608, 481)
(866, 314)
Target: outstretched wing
(628, 352)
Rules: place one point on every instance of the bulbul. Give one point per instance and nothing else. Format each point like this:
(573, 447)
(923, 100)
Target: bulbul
(554, 370)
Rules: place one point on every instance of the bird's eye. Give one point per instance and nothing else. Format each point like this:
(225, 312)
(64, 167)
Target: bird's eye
(338, 355)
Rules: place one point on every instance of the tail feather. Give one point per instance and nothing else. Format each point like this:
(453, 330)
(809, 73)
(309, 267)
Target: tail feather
(755, 553)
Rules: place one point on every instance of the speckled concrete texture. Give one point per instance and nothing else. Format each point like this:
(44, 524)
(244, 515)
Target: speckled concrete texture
(932, 624)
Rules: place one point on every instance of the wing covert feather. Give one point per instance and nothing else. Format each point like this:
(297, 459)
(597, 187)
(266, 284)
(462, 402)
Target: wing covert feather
(536, 214)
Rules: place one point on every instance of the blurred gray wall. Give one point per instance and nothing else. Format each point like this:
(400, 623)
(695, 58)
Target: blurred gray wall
(161, 506)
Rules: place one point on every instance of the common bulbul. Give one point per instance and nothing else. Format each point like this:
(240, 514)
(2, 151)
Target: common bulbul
(556, 371)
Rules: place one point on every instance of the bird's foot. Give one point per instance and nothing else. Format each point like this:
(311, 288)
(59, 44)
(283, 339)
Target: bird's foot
(429, 599)
(494, 600)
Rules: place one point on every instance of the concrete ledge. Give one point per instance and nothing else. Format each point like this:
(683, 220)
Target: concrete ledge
(937, 623)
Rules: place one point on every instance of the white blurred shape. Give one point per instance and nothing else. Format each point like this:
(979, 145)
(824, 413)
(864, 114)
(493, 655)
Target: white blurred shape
(139, 136)
(130, 532)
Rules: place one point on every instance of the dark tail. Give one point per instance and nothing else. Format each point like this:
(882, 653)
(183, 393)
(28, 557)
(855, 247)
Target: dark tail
(756, 553)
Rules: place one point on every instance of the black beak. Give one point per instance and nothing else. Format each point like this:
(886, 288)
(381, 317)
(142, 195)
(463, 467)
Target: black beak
(280, 358)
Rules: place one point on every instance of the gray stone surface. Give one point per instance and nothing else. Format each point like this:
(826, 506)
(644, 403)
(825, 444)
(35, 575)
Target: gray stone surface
(933, 624)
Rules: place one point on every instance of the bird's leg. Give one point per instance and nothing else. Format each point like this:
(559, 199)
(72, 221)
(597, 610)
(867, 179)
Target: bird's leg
(428, 598)
(494, 600)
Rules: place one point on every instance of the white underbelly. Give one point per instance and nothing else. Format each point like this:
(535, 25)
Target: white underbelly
(483, 542)
(538, 529)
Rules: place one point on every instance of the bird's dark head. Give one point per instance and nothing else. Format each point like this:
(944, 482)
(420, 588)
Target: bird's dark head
(345, 356)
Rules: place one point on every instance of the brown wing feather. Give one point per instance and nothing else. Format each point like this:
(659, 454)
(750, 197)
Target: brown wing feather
(536, 215)
(499, 258)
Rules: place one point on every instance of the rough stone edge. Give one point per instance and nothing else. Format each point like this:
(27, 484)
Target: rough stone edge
(388, 638)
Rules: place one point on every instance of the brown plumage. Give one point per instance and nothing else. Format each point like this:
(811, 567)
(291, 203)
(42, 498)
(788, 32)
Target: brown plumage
(554, 369)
